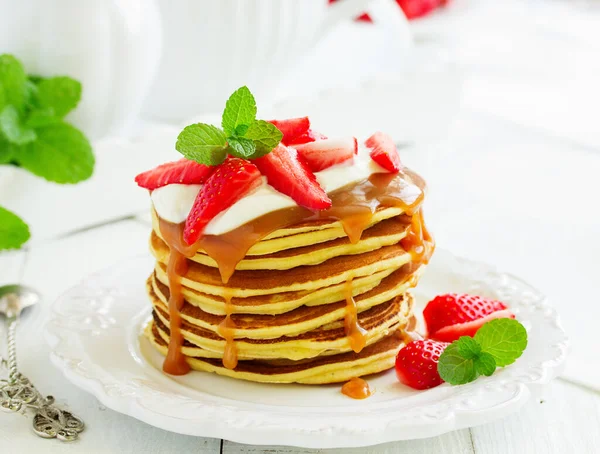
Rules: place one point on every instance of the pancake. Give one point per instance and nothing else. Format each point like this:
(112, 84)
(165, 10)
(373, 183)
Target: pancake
(245, 283)
(374, 358)
(301, 319)
(325, 340)
(385, 233)
(301, 234)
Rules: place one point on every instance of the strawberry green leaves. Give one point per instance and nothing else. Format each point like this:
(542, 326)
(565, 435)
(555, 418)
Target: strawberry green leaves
(498, 343)
(35, 136)
(242, 136)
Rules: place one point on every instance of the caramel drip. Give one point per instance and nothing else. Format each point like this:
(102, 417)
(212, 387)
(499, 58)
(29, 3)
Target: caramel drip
(175, 363)
(357, 388)
(418, 241)
(226, 330)
(356, 334)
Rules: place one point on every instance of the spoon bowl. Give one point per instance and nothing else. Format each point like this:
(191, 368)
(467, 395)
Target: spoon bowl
(15, 298)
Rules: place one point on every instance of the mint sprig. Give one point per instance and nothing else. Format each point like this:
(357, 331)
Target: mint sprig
(497, 343)
(34, 135)
(242, 135)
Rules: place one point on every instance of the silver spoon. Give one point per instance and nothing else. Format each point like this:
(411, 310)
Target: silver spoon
(18, 392)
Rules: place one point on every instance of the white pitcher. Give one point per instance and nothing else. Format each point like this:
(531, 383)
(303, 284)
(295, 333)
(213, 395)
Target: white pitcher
(211, 47)
(111, 46)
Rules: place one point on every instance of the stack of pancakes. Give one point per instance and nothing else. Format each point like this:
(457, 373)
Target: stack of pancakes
(304, 305)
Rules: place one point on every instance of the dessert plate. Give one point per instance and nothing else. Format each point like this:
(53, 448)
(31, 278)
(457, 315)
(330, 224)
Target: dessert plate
(95, 338)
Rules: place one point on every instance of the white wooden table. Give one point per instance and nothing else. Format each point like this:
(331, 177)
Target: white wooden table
(516, 184)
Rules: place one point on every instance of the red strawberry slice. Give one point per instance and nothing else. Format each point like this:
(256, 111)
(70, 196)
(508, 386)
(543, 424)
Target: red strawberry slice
(292, 177)
(416, 364)
(324, 153)
(453, 315)
(292, 128)
(417, 8)
(231, 181)
(310, 136)
(384, 151)
(183, 171)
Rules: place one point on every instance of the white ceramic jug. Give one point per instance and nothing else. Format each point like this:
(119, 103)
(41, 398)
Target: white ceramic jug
(210, 47)
(111, 46)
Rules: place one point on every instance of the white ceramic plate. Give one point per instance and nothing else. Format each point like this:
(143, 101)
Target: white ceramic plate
(94, 333)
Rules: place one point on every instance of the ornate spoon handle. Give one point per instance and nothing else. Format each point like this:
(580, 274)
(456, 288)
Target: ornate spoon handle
(12, 348)
(49, 420)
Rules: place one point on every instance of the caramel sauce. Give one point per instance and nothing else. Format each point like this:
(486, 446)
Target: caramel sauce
(357, 388)
(225, 329)
(356, 334)
(175, 363)
(353, 206)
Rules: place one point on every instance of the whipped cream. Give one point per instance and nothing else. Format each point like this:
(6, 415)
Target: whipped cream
(174, 202)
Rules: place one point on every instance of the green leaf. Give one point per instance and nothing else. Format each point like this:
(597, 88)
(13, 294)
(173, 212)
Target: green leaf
(61, 154)
(13, 231)
(60, 93)
(7, 150)
(454, 368)
(240, 109)
(485, 364)
(42, 117)
(12, 82)
(241, 147)
(16, 132)
(468, 347)
(31, 95)
(241, 130)
(203, 143)
(503, 338)
(265, 135)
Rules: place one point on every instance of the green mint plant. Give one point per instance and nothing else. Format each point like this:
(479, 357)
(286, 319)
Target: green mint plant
(240, 135)
(35, 136)
(498, 343)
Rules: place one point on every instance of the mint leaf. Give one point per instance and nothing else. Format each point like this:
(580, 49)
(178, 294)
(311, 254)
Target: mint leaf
(503, 338)
(241, 130)
(61, 154)
(454, 368)
(42, 117)
(16, 132)
(203, 143)
(240, 109)
(485, 364)
(241, 147)
(13, 231)
(265, 135)
(468, 347)
(59, 93)
(6, 150)
(12, 82)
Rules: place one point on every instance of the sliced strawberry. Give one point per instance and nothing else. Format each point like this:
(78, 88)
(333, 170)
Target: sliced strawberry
(310, 136)
(324, 153)
(231, 181)
(450, 316)
(384, 151)
(292, 177)
(416, 364)
(417, 8)
(292, 128)
(183, 171)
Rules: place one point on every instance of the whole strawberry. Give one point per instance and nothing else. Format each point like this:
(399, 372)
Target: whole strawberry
(416, 364)
(453, 315)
